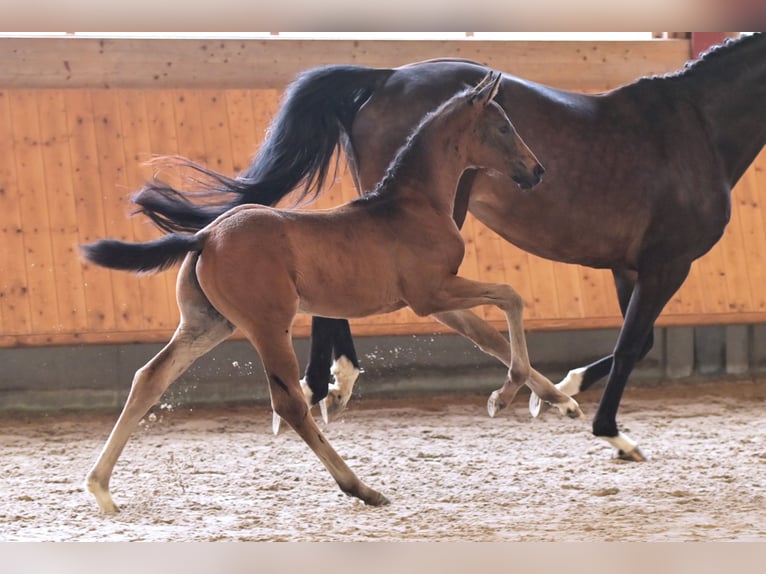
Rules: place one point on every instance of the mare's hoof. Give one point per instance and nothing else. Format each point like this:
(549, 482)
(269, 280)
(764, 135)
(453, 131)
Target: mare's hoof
(333, 405)
(495, 404)
(634, 455)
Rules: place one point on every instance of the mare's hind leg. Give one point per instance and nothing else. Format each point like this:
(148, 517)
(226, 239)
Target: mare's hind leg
(493, 343)
(201, 328)
(272, 340)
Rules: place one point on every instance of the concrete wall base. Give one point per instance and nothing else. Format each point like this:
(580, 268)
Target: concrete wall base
(98, 377)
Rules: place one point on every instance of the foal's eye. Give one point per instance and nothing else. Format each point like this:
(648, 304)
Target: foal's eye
(504, 128)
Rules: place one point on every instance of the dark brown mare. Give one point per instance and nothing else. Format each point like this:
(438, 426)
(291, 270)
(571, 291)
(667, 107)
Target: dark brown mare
(638, 180)
(256, 267)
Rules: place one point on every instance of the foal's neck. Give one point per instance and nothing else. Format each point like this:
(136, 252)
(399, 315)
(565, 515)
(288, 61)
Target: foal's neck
(428, 168)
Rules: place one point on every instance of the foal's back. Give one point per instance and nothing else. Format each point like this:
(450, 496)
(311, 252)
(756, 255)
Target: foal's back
(351, 261)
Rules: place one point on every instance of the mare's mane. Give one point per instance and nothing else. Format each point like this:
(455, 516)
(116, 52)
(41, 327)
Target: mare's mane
(711, 57)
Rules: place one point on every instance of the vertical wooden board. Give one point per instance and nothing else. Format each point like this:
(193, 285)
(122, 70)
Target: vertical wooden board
(35, 219)
(69, 281)
(758, 168)
(737, 284)
(599, 298)
(189, 129)
(266, 104)
(89, 208)
(14, 291)
(711, 269)
(242, 132)
(155, 306)
(469, 268)
(348, 187)
(688, 299)
(490, 264)
(163, 139)
(751, 202)
(215, 131)
(543, 301)
(568, 291)
(516, 273)
(116, 201)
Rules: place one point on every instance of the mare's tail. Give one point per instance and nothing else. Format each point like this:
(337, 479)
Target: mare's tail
(144, 257)
(318, 109)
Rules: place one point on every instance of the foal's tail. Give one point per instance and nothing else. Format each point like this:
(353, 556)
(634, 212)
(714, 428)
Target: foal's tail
(145, 257)
(318, 109)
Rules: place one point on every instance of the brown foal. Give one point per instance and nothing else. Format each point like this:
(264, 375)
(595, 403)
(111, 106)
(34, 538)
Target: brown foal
(254, 268)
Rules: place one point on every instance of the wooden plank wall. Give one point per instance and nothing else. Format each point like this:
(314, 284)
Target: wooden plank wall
(70, 159)
(79, 117)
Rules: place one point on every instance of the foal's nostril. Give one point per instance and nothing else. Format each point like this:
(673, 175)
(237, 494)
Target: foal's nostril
(539, 171)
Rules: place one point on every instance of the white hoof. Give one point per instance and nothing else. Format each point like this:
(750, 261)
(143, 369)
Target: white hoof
(571, 384)
(323, 410)
(308, 394)
(345, 374)
(493, 404)
(570, 409)
(535, 404)
(276, 423)
(627, 448)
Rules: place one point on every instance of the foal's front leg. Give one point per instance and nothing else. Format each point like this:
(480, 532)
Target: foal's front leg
(493, 343)
(457, 293)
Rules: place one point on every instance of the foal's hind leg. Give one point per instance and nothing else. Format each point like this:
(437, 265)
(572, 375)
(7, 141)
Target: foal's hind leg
(272, 340)
(493, 343)
(201, 328)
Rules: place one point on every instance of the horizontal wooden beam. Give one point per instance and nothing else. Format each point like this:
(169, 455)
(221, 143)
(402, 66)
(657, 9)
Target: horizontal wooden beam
(382, 329)
(76, 62)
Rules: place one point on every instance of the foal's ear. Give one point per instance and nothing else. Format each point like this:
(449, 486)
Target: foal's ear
(486, 90)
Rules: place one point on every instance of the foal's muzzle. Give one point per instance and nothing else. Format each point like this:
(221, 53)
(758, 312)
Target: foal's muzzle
(531, 179)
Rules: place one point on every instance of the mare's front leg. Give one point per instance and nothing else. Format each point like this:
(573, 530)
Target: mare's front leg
(330, 338)
(490, 341)
(201, 329)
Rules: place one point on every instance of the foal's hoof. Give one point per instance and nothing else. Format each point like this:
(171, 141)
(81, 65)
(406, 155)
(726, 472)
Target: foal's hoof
(495, 404)
(535, 404)
(634, 455)
(276, 423)
(377, 500)
(103, 497)
(570, 409)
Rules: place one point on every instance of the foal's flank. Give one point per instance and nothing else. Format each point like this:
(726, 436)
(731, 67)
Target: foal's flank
(255, 268)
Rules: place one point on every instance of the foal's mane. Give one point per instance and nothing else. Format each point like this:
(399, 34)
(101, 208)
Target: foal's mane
(412, 147)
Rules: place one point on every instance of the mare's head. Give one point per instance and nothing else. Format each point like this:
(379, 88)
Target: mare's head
(493, 143)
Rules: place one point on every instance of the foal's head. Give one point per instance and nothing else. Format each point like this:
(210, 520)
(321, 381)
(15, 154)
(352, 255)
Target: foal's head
(493, 143)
